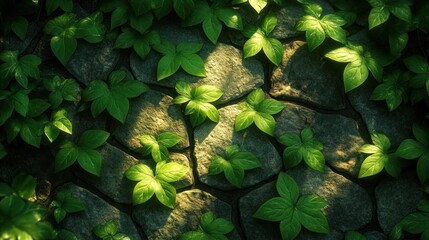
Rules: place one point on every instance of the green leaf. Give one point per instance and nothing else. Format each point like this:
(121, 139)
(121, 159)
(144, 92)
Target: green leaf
(265, 122)
(63, 48)
(166, 194)
(183, 8)
(353, 235)
(421, 133)
(90, 160)
(401, 11)
(59, 214)
(415, 223)
(170, 172)
(269, 23)
(314, 159)
(423, 168)
(183, 89)
(93, 138)
(143, 191)
(244, 120)
(253, 45)
(193, 64)
(331, 25)
(212, 27)
(168, 139)
(354, 75)
(290, 227)
(343, 54)
(132, 88)
(287, 187)
(417, 64)
(275, 209)
(118, 106)
(217, 165)
(91, 28)
(258, 5)
(65, 158)
(255, 97)
(140, 7)
(5, 190)
(126, 39)
(273, 49)
(61, 122)
(373, 164)
(139, 172)
(206, 93)
(230, 17)
(119, 17)
(234, 174)
(410, 149)
(378, 16)
(167, 66)
(19, 26)
(245, 160)
(24, 185)
(310, 215)
(269, 106)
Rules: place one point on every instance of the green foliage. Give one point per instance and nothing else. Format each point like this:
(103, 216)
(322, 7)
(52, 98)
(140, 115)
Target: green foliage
(52, 5)
(23, 186)
(304, 146)
(113, 97)
(393, 89)
(381, 10)
(18, 68)
(293, 210)
(66, 28)
(360, 63)
(257, 5)
(157, 147)
(209, 228)
(198, 101)
(396, 233)
(234, 164)
(65, 203)
(418, 222)
(211, 18)
(83, 151)
(259, 38)
(420, 67)
(13, 17)
(183, 55)
(59, 123)
(417, 149)
(109, 231)
(353, 235)
(20, 219)
(380, 157)
(158, 183)
(61, 89)
(63, 234)
(317, 27)
(259, 110)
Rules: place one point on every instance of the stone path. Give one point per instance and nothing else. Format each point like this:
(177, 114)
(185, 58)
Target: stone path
(313, 96)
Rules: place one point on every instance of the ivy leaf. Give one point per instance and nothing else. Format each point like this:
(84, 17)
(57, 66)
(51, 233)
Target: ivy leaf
(211, 17)
(317, 28)
(91, 28)
(258, 5)
(380, 157)
(234, 164)
(420, 67)
(303, 147)
(65, 203)
(259, 39)
(141, 42)
(121, 11)
(158, 183)
(61, 89)
(157, 147)
(209, 228)
(381, 10)
(52, 5)
(416, 223)
(184, 55)
(109, 230)
(259, 110)
(24, 185)
(84, 152)
(292, 210)
(198, 102)
(113, 98)
(360, 63)
(183, 8)
(21, 68)
(392, 89)
(19, 26)
(59, 122)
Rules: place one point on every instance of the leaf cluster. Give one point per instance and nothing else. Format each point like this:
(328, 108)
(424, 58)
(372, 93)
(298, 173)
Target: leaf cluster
(109, 231)
(198, 101)
(259, 110)
(23, 186)
(65, 203)
(234, 164)
(292, 210)
(13, 17)
(300, 147)
(209, 228)
(157, 147)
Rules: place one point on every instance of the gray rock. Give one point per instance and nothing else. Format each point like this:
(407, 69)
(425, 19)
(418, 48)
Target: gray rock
(332, 235)
(160, 222)
(375, 235)
(396, 198)
(97, 212)
(212, 139)
(94, 61)
(349, 205)
(224, 65)
(151, 113)
(396, 124)
(302, 75)
(338, 134)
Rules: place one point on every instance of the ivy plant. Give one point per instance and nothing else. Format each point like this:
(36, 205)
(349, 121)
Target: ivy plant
(234, 164)
(59, 123)
(211, 18)
(317, 27)
(183, 55)
(109, 231)
(302, 146)
(65, 203)
(257, 5)
(14, 100)
(64, 234)
(18, 68)
(20, 219)
(52, 5)
(381, 10)
(360, 63)
(157, 147)
(150, 183)
(293, 210)
(13, 17)
(418, 222)
(198, 101)
(23, 186)
(417, 148)
(353, 235)
(113, 97)
(66, 28)
(209, 228)
(393, 89)
(259, 39)
(259, 110)
(84, 152)
(61, 89)
(380, 157)
(420, 67)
